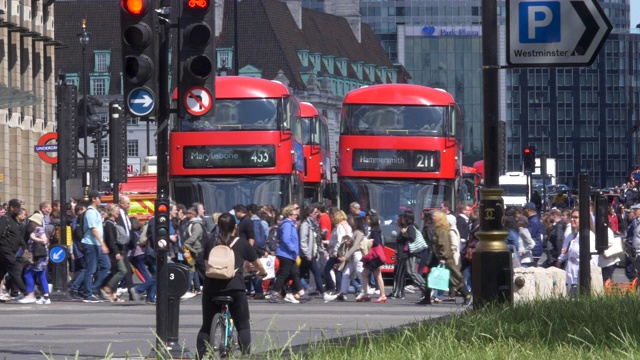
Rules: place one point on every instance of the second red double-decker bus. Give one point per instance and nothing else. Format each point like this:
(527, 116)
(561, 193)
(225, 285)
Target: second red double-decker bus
(400, 149)
(251, 152)
(317, 161)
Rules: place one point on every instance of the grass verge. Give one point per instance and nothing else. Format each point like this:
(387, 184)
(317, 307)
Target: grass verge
(595, 328)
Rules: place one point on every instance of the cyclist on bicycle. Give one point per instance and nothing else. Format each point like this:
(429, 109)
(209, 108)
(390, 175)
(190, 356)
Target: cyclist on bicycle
(234, 288)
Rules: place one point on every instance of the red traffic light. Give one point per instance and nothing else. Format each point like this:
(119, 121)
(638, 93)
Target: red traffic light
(135, 7)
(197, 5)
(162, 208)
(527, 150)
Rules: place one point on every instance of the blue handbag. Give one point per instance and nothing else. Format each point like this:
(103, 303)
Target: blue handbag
(439, 278)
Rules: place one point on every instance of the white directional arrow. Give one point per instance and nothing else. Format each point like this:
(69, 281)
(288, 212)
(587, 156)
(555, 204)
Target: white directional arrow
(145, 101)
(56, 256)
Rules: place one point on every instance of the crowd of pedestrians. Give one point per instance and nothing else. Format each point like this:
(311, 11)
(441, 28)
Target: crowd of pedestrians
(311, 251)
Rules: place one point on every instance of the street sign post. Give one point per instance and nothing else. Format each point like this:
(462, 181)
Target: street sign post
(544, 33)
(44, 147)
(141, 101)
(57, 254)
(198, 100)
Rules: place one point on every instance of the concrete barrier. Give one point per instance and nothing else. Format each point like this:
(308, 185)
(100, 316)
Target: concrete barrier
(535, 283)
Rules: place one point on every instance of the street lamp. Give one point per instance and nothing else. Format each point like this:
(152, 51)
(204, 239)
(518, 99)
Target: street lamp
(83, 37)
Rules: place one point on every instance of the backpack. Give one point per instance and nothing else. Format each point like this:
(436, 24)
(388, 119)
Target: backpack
(272, 238)
(221, 262)
(205, 234)
(122, 238)
(260, 236)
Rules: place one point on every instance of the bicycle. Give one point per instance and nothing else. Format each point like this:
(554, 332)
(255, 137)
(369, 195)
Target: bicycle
(224, 337)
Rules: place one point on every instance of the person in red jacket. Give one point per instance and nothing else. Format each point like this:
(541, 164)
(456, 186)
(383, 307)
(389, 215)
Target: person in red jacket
(324, 221)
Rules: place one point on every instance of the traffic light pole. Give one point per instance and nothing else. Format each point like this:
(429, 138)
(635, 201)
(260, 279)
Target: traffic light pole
(162, 297)
(492, 269)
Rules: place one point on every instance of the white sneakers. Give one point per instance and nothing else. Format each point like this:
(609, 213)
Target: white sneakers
(411, 289)
(329, 297)
(32, 299)
(291, 299)
(27, 300)
(188, 295)
(373, 291)
(43, 301)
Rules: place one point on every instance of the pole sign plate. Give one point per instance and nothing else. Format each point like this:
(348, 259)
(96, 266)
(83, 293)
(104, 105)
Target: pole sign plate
(198, 101)
(43, 147)
(544, 33)
(57, 254)
(141, 101)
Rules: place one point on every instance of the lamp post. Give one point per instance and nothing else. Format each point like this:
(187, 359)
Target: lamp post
(83, 37)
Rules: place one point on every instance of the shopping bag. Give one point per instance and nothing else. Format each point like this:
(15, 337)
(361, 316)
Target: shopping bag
(438, 278)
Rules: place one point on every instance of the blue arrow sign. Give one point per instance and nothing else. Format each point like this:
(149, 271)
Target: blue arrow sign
(141, 101)
(57, 254)
(46, 148)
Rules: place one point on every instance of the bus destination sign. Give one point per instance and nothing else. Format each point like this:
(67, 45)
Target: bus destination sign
(247, 156)
(396, 160)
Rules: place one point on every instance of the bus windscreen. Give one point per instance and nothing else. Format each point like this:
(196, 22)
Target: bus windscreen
(393, 120)
(390, 198)
(222, 194)
(240, 114)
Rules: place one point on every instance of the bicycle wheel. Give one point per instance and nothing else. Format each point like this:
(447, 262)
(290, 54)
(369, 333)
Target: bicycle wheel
(218, 334)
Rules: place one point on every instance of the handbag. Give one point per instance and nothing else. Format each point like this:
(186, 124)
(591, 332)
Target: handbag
(439, 278)
(27, 258)
(39, 251)
(417, 245)
(615, 248)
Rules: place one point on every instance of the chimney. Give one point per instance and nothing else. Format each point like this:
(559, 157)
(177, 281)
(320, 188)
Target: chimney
(295, 7)
(348, 9)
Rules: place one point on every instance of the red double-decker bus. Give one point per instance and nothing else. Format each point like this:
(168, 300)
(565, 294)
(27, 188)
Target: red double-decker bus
(250, 152)
(400, 149)
(317, 160)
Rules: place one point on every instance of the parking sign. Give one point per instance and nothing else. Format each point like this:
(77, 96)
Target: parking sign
(542, 33)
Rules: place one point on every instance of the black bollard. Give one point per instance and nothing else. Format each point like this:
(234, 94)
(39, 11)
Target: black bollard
(59, 258)
(178, 284)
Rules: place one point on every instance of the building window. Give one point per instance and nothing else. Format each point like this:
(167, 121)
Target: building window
(133, 120)
(72, 79)
(102, 60)
(132, 148)
(104, 148)
(99, 85)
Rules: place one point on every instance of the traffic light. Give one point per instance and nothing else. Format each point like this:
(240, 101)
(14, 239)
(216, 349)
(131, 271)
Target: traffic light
(117, 143)
(67, 130)
(529, 160)
(138, 24)
(162, 218)
(196, 87)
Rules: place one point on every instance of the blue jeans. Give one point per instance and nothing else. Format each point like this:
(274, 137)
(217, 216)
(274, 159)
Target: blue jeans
(80, 270)
(150, 285)
(98, 264)
(326, 274)
(138, 263)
